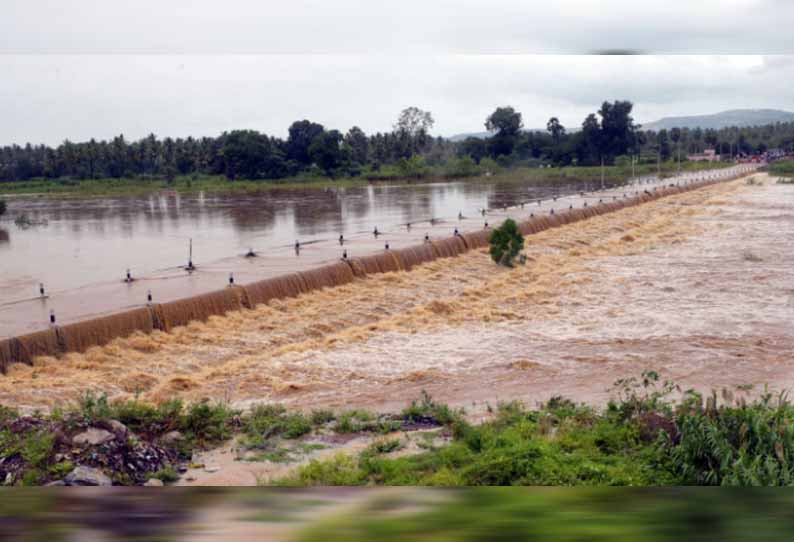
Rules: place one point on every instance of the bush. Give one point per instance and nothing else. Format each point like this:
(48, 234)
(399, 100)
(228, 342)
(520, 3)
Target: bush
(206, 423)
(428, 410)
(354, 421)
(321, 416)
(92, 409)
(734, 445)
(561, 444)
(412, 168)
(506, 243)
(340, 470)
(782, 167)
(167, 475)
(267, 421)
(461, 167)
(488, 165)
(3, 207)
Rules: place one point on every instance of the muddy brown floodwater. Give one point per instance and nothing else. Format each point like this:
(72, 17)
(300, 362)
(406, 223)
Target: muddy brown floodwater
(697, 286)
(83, 246)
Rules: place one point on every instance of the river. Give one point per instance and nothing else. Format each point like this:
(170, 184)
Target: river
(83, 247)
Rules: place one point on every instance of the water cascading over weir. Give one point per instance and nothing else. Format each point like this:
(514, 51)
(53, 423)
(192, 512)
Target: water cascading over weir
(78, 337)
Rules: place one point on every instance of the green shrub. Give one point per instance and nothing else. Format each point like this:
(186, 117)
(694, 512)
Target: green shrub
(321, 417)
(340, 470)
(37, 448)
(516, 447)
(427, 408)
(296, 425)
(60, 470)
(167, 475)
(355, 421)
(32, 477)
(461, 167)
(383, 446)
(147, 419)
(266, 421)
(783, 168)
(7, 414)
(208, 423)
(735, 445)
(506, 243)
(92, 409)
(412, 168)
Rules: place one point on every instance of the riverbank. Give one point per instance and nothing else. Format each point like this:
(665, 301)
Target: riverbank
(642, 438)
(782, 168)
(209, 184)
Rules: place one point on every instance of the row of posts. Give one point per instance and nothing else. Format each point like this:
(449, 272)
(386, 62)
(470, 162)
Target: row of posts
(190, 267)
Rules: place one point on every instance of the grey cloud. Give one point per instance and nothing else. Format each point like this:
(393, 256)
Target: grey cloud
(47, 98)
(418, 26)
(91, 68)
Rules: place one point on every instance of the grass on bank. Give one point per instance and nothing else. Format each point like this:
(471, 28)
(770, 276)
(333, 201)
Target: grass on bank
(642, 439)
(203, 183)
(782, 168)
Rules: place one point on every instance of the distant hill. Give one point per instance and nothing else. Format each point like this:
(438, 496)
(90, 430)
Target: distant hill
(734, 117)
(486, 135)
(461, 137)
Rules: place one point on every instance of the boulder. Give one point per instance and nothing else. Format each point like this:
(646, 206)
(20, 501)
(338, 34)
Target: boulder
(118, 428)
(92, 437)
(154, 482)
(86, 476)
(172, 437)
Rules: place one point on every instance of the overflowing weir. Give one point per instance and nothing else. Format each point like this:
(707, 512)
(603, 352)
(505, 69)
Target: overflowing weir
(78, 337)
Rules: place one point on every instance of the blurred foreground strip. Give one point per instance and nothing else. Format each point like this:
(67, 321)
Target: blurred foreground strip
(398, 514)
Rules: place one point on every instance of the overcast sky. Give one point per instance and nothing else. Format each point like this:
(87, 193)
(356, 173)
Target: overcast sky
(87, 68)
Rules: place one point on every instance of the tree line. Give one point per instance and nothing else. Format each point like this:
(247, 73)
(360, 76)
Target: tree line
(609, 136)
(606, 136)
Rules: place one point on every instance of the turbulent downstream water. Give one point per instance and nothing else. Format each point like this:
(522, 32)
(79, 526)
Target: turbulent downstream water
(90, 242)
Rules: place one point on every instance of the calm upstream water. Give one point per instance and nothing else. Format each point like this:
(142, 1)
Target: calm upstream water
(81, 248)
(93, 240)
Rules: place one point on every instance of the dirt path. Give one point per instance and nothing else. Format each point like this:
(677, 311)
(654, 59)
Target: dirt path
(697, 286)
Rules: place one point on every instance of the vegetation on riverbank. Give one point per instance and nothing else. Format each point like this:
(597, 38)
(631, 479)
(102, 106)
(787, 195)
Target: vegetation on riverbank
(641, 438)
(782, 168)
(487, 172)
(313, 156)
(608, 136)
(131, 442)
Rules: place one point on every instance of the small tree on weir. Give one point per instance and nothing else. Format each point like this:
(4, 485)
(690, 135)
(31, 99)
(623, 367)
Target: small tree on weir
(506, 243)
